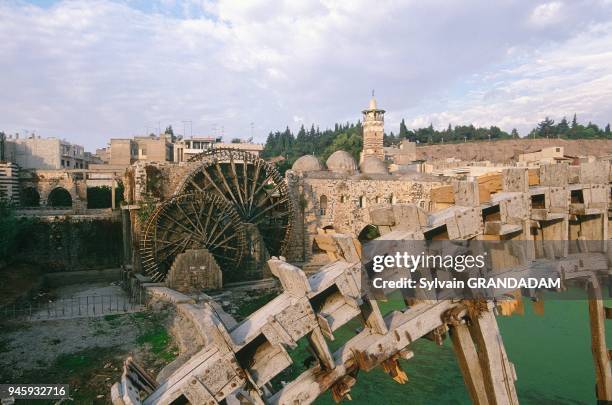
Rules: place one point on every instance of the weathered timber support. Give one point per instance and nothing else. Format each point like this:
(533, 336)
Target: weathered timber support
(467, 357)
(498, 373)
(319, 346)
(597, 317)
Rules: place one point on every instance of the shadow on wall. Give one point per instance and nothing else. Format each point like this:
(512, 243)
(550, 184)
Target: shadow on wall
(66, 245)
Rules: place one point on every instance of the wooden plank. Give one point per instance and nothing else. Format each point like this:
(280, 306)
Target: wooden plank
(498, 372)
(603, 373)
(467, 357)
(534, 177)
(489, 184)
(319, 346)
(443, 195)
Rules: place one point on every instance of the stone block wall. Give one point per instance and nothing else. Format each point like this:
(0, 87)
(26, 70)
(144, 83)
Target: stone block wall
(70, 245)
(193, 271)
(348, 202)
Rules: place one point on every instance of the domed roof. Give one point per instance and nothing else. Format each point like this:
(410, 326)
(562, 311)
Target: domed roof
(341, 162)
(307, 163)
(373, 165)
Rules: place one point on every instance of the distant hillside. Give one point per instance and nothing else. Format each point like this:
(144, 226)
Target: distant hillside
(506, 150)
(449, 142)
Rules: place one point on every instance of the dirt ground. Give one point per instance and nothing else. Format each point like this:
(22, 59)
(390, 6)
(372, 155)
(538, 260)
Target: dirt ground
(17, 281)
(86, 353)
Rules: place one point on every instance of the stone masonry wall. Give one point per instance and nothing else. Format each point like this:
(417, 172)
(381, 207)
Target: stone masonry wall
(70, 245)
(349, 201)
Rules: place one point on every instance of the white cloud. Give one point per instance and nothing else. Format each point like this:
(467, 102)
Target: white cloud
(567, 78)
(91, 70)
(547, 14)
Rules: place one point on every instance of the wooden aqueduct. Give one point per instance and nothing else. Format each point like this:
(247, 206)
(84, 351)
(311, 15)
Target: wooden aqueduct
(240, 361)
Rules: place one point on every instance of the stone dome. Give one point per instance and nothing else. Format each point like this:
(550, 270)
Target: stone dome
(341, 162)
(373, 165)
(307, 163)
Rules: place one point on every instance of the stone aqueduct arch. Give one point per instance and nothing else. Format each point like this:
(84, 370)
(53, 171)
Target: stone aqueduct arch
(45, 182)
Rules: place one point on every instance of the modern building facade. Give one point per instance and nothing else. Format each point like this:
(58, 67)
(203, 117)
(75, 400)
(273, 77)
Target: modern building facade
(184, 149)
(35, 152)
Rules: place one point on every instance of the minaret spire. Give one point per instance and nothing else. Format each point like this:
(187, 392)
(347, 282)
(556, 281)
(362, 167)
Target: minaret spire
(373, 130)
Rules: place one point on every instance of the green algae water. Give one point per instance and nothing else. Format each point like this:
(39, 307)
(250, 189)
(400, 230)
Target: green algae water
(551, 355)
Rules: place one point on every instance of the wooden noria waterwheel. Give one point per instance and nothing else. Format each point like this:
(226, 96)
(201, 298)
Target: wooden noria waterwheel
(252, 186)
(193, 220)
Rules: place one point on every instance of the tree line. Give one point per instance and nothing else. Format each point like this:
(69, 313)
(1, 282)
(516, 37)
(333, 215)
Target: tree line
(349, 137)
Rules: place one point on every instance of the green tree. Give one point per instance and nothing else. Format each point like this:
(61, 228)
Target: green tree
(2, 146)
(403, 131)
(170, 131)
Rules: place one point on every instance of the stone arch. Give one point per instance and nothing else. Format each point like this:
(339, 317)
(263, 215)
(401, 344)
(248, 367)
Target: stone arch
(30, 197)
(59, 197)
(368, 233)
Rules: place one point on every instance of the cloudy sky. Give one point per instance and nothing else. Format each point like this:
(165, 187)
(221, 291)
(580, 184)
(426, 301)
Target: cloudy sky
(87, 71)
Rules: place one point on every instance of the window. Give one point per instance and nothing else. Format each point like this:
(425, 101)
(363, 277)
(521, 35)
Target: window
(362, 201)
(342, 198)
(558, 150)
(63, 164)
(323, 205)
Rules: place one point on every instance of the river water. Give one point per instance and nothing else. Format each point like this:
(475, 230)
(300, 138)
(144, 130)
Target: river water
(551, 354)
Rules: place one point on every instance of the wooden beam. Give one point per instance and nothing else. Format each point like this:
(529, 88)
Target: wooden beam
(498, 372)
(603, 373)
(467, 357)
(489, 184)
(443, 194)
(534, 177)
(319, 346)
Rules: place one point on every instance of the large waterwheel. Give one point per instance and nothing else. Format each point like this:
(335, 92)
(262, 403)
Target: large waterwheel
(253, 186)
(192, 220)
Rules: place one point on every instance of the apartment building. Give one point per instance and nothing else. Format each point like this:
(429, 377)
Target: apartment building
(35, 152)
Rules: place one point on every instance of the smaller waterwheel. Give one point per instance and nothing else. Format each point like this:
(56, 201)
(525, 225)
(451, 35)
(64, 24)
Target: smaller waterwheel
(192, 221)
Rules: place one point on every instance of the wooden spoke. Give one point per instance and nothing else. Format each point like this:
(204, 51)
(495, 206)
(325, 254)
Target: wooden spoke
(192, 221)
(257, 192)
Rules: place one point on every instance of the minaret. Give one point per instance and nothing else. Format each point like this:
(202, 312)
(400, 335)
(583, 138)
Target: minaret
(373, 129)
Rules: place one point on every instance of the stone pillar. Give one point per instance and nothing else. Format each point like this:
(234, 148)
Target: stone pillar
(113, 185)
(127, 236)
